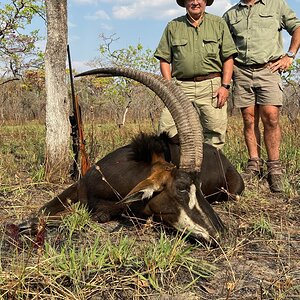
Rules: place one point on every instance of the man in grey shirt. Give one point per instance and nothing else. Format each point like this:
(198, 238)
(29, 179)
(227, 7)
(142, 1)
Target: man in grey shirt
(256, 27)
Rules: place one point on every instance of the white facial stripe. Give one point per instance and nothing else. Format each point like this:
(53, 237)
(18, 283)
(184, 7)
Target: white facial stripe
(193, 203)
(192, 197)
(186, 223)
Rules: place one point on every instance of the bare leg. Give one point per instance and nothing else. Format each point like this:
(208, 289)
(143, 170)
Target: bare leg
(251, 130)
(272, 139)
(272, 131)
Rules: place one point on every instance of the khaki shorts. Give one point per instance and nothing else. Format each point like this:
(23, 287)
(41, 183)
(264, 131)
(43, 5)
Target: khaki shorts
(213, 119)
(256, 86)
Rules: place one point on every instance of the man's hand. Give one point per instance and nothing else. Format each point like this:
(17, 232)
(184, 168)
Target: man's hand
(282, 64)
(222, 96)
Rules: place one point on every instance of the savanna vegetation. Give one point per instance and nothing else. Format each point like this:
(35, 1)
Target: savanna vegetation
(75, 258)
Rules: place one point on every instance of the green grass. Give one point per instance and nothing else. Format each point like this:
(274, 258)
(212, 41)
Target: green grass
(81, 259)
(77, 261)
(263, 226)
(21, 153)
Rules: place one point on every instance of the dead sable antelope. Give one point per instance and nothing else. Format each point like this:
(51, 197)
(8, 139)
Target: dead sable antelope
(154, 175)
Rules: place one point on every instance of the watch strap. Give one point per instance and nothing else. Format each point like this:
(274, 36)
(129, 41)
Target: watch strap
(226, 86)
(290, 54)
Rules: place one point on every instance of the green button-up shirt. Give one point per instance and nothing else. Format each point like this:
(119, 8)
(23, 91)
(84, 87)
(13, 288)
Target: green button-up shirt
(195, 51)
(257, 30)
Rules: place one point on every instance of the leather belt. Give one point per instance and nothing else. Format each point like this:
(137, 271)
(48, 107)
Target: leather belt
(255, 66)
(202, 77)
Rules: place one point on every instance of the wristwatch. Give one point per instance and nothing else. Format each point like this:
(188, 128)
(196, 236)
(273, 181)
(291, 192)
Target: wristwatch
(290, 54)
(226, 86)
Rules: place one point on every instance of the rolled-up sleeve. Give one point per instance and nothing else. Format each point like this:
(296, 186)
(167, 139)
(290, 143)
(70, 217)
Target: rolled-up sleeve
(228, 47)
(290, 22)
(164, 50)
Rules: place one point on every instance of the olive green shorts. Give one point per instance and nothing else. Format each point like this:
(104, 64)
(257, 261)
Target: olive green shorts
(256, 86)
(213, 119)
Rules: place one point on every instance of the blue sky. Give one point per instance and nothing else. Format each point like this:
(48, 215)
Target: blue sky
(132, 21)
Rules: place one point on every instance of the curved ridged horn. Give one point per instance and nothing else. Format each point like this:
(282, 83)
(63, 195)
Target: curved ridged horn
(194, 118)
(179, 95)
(184, 114)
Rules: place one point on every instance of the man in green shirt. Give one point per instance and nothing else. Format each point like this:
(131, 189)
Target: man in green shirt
(256, 27)
(197, 50)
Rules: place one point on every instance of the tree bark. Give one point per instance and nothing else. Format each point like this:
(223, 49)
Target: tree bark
(57, 103)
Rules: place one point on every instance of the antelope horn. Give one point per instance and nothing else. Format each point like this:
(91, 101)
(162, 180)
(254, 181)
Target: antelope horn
(184, 114)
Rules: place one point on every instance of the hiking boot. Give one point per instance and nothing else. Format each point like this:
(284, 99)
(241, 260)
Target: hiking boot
(275, 176)
(254, 168)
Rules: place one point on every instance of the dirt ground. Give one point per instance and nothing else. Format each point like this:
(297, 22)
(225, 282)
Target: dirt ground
(258, 257)
(263, 261)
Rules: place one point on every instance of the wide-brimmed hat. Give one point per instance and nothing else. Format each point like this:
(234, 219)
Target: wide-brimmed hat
(181, 2)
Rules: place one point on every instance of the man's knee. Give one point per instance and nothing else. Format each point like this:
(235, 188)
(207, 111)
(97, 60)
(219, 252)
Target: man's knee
(270, 117)
(272, 123)
(249, 117)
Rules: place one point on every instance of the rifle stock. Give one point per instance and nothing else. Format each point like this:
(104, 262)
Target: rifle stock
(78, 142)
(84, 161)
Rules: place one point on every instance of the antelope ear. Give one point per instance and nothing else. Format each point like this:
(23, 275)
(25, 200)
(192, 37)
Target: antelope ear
(160, 175)
(143, 190)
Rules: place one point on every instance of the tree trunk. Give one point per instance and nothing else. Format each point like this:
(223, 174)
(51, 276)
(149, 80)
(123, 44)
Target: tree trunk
(57, 103)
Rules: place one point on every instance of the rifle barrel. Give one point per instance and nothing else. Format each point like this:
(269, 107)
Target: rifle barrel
(71, 76)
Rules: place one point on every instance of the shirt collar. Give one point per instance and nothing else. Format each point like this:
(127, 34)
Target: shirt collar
(188, 20)
(244, 4)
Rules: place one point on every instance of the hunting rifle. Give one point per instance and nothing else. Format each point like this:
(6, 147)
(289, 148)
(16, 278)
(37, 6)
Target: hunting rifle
(81, 161)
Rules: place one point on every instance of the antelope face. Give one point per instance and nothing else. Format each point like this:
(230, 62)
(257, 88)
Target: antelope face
(179, 203)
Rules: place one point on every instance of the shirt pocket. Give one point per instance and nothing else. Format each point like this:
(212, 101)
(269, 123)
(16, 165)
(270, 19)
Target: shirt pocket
(179, 48)
(237, 25)
(211, 47)
(267, 20)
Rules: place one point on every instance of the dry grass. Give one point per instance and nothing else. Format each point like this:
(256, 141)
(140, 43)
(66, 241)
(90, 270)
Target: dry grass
(258, 258)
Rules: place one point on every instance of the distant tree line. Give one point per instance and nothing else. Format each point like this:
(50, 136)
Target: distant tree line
(102, 99)
(106, 99)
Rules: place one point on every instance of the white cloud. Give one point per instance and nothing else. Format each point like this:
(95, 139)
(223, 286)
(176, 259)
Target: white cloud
(219, 7)
(157, 9)
(98, 15)
(154, 9)
(145, 9)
